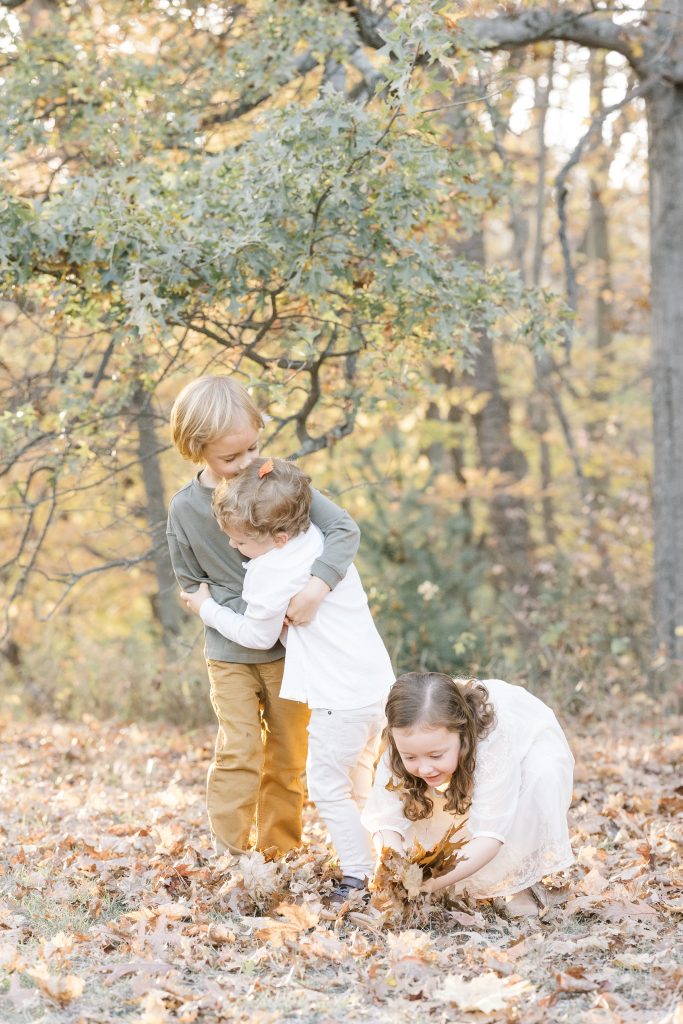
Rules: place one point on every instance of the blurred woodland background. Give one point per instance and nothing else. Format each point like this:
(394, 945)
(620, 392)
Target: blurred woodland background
(420, 233)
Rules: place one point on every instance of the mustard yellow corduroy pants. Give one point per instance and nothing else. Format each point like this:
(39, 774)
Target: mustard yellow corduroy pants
(259, 758)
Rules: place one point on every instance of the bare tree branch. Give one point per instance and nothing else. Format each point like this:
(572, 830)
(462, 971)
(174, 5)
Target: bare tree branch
(585, 27)
(562, 192)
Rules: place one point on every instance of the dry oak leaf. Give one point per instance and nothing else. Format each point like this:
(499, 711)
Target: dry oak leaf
(411, 879)
(61, 989)
(169, 839)
(485, 993)
(219, 935)
(259, 876)
(445, 855)
(410, 978)
(10, 958)
(154, 1009)
(297, 919)
(399, 876)
(299, 916)
(593, 883)
(411, 944)
(619, 910)
(324, 946)
(61, 943)
(573, 980)
(173, 911)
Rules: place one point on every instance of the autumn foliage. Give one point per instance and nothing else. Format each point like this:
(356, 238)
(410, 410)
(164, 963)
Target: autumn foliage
(113, 907)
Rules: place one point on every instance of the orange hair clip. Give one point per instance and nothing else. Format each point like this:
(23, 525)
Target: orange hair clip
(266, 468)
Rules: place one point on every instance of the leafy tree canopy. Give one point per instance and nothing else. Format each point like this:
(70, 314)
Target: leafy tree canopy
(192, 183)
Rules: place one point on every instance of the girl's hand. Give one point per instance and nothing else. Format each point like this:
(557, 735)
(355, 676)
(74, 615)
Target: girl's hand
(195, 600)
(435, 884)
(387, 837)
(303, 607)
(477, 853)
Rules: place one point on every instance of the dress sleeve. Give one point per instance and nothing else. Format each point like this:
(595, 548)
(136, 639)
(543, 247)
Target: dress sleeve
(341, 538)
(384, 807)
(497, 779)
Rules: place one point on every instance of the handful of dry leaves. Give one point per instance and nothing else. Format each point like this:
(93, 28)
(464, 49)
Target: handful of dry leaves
(399, 876)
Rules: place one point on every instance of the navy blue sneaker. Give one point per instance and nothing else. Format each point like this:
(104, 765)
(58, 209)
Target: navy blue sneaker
(348, 888)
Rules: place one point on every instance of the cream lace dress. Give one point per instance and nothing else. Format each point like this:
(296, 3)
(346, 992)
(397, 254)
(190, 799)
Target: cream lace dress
(522, 791)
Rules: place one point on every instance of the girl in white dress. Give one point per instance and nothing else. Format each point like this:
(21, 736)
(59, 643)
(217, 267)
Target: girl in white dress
(481, 752)
(337, 664)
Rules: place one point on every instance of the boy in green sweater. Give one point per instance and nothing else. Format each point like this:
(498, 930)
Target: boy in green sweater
(260, 752)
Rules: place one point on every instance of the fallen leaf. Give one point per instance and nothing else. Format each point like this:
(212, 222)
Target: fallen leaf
(412, 943)
(485, 993)
(174, 911)
(299, 916)
(574, 980)
(411, 877)
(219, 935)
(62, 989)
(11, 958)
(593, 882)
(154, 1009)
(617, 910)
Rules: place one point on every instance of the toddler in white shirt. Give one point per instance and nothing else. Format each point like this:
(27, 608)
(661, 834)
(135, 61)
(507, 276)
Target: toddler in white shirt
(337, 665)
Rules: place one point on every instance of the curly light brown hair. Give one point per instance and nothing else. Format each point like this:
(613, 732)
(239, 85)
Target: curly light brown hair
(433, 700)
(261, 506)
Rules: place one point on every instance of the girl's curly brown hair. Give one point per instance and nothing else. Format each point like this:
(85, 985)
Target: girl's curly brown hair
(432, 700)
(263, 505)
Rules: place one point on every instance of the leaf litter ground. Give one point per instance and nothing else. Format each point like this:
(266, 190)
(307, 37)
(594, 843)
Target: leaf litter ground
(112, 907)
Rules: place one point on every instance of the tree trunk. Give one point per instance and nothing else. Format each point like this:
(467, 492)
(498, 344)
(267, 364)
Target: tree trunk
(598, 252)
(599, 286)
(665, 120)
(538, 406)
(448, 456)
(597, 237)
(165, 602)
(507, 511)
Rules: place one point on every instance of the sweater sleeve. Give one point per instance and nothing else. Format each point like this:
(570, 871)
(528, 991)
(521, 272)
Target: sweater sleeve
(341, 538)
(187, 569)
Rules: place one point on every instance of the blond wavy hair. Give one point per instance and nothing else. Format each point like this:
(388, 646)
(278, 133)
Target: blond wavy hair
(207, 408)
(261, 506)
(433, 700)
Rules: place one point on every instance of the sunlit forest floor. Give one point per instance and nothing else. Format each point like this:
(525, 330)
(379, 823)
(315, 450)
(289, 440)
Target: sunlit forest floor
(112, 907)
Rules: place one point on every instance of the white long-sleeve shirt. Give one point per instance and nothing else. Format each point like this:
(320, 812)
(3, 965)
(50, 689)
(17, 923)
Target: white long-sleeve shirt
(338, 661)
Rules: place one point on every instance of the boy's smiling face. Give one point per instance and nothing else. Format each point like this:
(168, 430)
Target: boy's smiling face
(230, 453)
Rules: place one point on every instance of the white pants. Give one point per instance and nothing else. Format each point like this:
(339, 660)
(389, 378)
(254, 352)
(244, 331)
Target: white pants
(342, 751)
